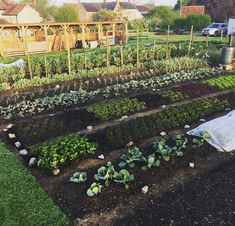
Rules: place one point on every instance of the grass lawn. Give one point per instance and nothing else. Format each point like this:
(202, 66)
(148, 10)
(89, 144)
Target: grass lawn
(22, 201)
(163, 38)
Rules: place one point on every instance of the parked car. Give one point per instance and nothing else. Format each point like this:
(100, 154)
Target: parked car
(215, 29)
(180, 31)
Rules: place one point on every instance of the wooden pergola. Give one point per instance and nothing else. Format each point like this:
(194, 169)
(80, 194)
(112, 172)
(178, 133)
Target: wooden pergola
(21, 32)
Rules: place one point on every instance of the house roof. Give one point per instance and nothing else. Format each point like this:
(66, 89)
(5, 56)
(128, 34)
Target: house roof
(144, 8)
(14, 9)
(95, 7)
(4, 4)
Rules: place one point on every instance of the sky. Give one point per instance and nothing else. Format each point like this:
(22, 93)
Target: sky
(157, 2)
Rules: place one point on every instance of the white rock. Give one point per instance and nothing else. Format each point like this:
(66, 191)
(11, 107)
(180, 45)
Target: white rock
(202, 120)
(191, 165)
(131, 143)
(23, 152)
(9, 126)
(187, 126)
(32, 161)
(145, 189)
(227, 109)
(57, 86)
(123, 118)
(11, 135)
(163, 106)
(163, 134)
(5, 130)
(18, 144)
(101, 157)
(56, 172)
(89, 128)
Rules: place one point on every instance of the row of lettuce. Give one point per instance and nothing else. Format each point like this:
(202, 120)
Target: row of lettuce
(65, 100)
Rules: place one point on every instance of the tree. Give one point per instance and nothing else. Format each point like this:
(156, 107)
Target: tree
(67, 14)
(178, 4)
(162, 15)
(198, 21)
(105, 15)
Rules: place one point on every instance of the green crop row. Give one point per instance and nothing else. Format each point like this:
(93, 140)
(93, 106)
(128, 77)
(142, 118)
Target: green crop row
(168, 119)
(117, 109)
(51, 155)
(222, 82)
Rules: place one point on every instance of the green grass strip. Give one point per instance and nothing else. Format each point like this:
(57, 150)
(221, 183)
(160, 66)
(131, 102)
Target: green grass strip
(222, 82)
(22, 201)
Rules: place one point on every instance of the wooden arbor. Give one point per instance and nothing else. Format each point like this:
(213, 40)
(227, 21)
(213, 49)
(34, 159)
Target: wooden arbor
(24, 39)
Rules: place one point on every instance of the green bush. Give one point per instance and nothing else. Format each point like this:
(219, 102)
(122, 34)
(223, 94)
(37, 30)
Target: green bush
(51, 155)
(116, 109)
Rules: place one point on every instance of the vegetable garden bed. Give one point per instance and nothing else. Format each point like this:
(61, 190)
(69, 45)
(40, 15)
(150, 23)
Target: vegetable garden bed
(111, 142)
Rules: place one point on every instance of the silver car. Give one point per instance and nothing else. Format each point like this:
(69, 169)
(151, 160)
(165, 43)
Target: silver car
(215, 29)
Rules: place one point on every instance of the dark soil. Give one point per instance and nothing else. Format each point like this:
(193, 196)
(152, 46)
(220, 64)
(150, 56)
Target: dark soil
(117, 203)
(208, 199)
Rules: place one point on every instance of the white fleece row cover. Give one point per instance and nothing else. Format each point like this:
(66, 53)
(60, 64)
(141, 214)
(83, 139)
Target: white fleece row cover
(18, 63)
(221, 132)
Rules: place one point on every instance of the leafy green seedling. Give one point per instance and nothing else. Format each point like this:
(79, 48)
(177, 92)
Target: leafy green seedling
(152, 162)
(197, 143)
(105, 173)
(123, 177)
(130, 157)
(180, 141)
(94, 189)
(205, 135)
(163, 150)
(79, 177)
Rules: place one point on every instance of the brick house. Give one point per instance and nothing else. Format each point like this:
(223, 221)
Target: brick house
(197, 9)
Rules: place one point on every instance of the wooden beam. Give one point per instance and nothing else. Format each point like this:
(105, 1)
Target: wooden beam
(45, 29)
(68, 47)
(83, 35)
(126, 31)
(99, 32)
(1, 41)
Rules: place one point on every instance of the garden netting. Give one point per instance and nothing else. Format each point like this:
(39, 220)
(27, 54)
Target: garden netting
(219, 132)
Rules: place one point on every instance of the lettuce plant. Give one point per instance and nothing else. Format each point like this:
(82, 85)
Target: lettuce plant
(123, 177)
(163, 150)
(105, 173)
(79, 177)
(133, 155)
(94, 190)
(53, 154)
(197, 143)
(152, 161)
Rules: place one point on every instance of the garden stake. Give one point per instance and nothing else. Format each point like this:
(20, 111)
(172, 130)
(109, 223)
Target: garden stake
(137, 49)
(168, 37)
(45, 61)
(190, 40)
